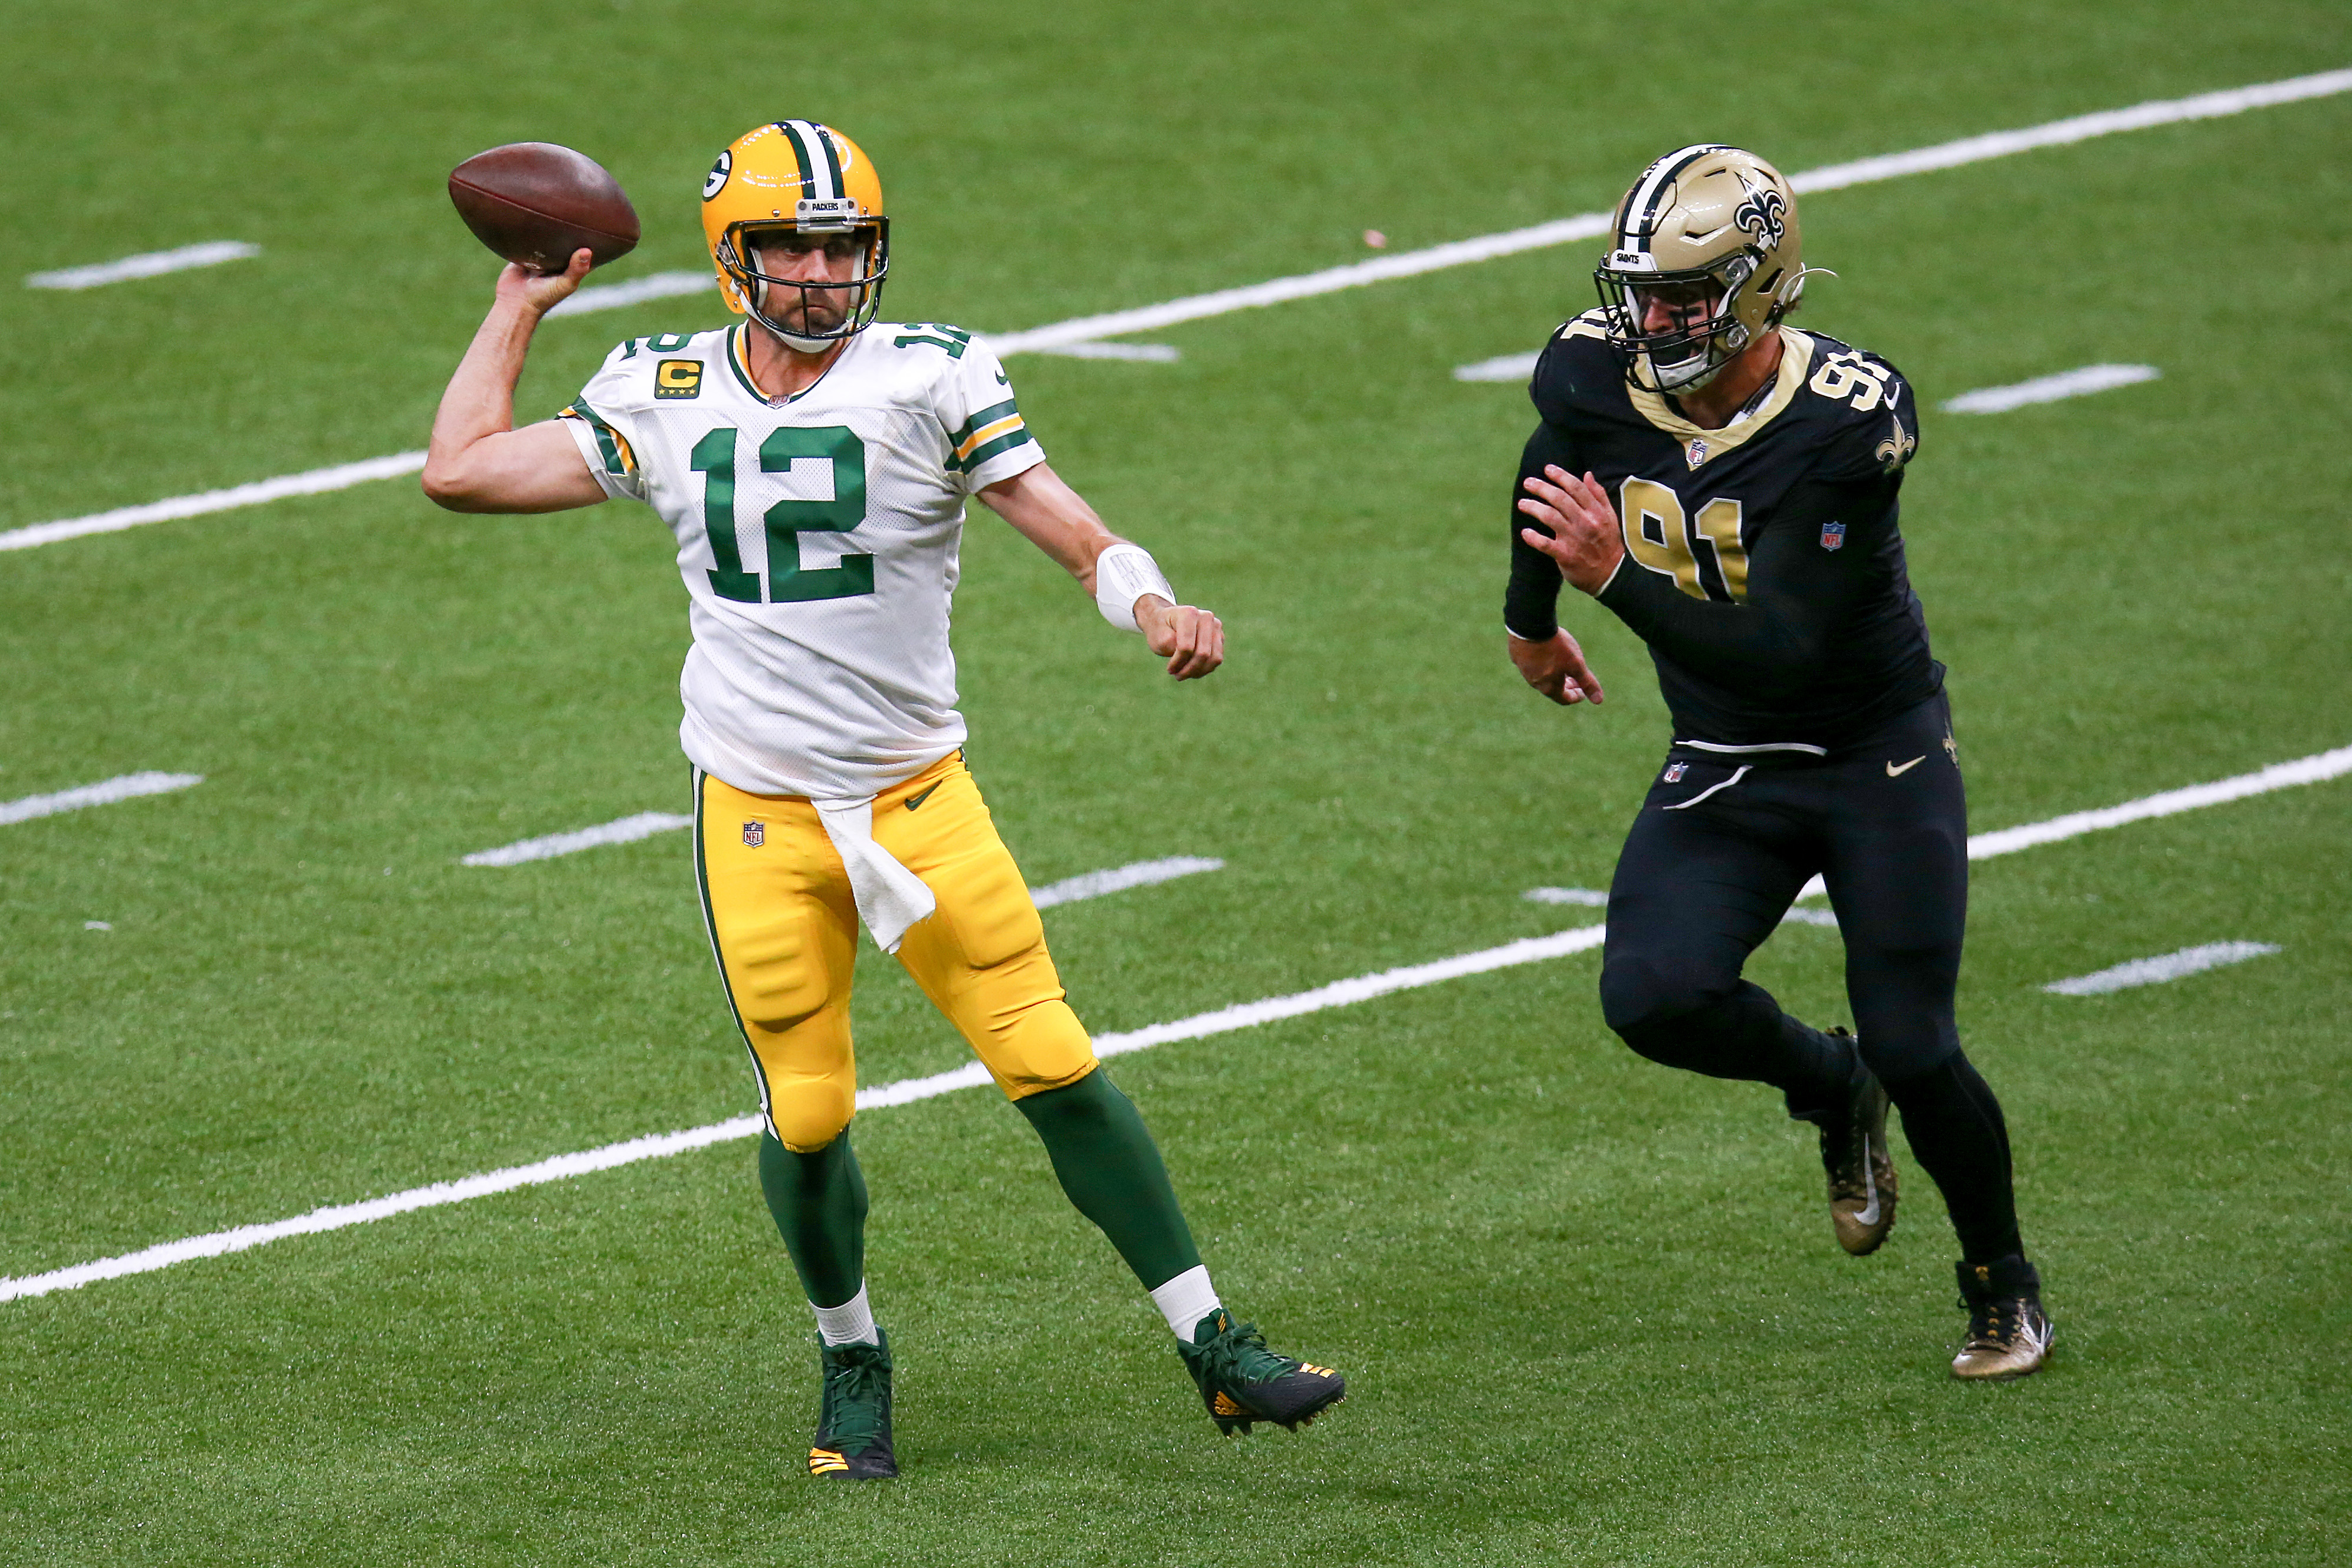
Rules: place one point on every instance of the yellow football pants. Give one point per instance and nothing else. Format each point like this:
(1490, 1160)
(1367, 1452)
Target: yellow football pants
(785, 929)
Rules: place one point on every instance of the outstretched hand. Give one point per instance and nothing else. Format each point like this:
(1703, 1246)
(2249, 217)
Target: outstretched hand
(1192, 640)
(540, 292)
(1584, 541)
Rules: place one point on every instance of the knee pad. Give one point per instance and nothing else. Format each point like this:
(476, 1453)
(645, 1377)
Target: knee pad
(806, 1115)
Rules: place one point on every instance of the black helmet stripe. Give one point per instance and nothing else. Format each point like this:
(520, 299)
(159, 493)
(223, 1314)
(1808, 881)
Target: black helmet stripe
(824, 139)
(1649, 193)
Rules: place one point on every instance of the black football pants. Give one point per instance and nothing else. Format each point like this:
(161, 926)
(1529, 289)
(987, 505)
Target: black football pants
(1722, 846)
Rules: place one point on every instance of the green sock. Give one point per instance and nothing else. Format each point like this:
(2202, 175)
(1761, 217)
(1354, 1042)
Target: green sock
(1111, 1169)
(819, 1202)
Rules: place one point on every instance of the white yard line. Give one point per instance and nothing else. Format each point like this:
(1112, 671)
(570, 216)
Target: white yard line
(1247, 1015)
(2049, 389)
(971, 1075)
(150, 264)
(626, 831)
(2313, 770)
(2156, 971)
(636, 290)
(128, 787)
(1590, 225)
(317, 481)
(1408, 263)
(1154, 353)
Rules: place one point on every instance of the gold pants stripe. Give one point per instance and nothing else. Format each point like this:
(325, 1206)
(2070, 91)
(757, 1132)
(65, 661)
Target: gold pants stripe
(784, 932)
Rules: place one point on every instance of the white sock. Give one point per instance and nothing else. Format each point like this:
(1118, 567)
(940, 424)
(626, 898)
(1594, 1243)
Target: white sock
(852, 1323)
(1185, 1300)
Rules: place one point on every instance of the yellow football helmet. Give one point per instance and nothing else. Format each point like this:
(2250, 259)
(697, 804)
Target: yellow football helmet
(796, 177)
(1712, 227)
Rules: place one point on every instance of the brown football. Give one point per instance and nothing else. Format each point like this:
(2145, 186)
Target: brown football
(535, 203)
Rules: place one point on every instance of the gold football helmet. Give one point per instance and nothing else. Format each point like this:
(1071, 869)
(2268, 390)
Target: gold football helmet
(797, 177)
(1705, 258)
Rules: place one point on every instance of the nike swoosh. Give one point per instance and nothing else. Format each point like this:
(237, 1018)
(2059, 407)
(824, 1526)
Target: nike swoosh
(914, 801)
(1895, 772)
(1869, 1216)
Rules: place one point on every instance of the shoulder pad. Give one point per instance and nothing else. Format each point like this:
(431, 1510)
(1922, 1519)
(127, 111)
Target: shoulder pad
(1576, 366)
(1871, 422)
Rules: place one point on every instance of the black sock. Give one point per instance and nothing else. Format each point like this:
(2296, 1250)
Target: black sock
(1956, 1131)
(819, 1202)
(1111, 1170)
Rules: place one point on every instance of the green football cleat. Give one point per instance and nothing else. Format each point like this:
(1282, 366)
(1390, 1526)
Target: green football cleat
(852, 1425)
(1242, 1381)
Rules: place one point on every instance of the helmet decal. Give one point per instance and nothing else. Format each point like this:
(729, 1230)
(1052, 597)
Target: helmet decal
(716, 181)
(1763, 216)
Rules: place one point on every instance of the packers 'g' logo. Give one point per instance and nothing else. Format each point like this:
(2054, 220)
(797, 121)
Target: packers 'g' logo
(715, 181)
(1763, 216)
(678, 377)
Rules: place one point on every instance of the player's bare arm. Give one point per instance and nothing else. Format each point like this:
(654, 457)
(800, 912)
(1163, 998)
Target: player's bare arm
(479, 462)
(1057, 520)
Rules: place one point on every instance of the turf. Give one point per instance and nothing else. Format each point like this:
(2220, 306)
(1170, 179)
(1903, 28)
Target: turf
(1589, 1308)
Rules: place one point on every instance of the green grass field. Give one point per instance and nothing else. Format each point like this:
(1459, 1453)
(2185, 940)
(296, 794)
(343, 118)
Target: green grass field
(1590, 1309)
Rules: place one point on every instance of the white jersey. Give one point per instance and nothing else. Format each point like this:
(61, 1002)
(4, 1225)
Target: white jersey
(818, 536)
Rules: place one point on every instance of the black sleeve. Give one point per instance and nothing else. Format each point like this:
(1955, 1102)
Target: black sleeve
(1530, 604)
(1799, 594)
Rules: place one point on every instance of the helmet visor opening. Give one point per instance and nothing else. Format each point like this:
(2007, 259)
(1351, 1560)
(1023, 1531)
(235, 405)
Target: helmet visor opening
(814, 286)
(1682, 323)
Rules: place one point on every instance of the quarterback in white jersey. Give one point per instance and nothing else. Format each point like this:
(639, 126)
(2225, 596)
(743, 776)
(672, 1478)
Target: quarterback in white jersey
(818, 536)
(814, 462)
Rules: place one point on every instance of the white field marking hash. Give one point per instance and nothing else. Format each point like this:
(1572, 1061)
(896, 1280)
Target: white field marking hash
(1597, 899)
(2051, 389)
(317, 481)
(1502, 367)
(1591, 897)
(2156, 971)
(626, 831)
(1409, 264)
(1118, 879)
(151, 264)
(128, 787)
(636, 290)
(971, 1075)
(2317, 768)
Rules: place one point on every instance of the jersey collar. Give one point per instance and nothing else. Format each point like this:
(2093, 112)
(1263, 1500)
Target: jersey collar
(739, 359)
(1701, 444)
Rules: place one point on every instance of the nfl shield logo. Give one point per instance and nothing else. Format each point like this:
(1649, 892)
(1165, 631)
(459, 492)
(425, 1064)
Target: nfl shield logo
(1675, 771)
(754, 834)
(1832, 536)
(1695, 453)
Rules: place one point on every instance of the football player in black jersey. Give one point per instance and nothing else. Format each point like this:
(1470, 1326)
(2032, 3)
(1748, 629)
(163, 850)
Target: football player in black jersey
(1727, 486)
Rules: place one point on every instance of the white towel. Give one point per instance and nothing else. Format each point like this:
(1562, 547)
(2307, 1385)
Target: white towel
(890, 898)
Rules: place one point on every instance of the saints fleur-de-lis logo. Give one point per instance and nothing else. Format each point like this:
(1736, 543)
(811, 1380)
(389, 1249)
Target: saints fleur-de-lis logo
(1897, 449)
(1763, 216)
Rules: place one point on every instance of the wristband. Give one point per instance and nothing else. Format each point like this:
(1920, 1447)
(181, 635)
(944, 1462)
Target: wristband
(1123, 574)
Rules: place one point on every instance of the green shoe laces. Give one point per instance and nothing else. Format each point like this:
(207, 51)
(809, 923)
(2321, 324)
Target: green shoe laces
(1238, 1356)
(857, 1395)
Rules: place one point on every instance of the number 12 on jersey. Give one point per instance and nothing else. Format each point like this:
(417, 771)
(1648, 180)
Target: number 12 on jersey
(789, 582)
